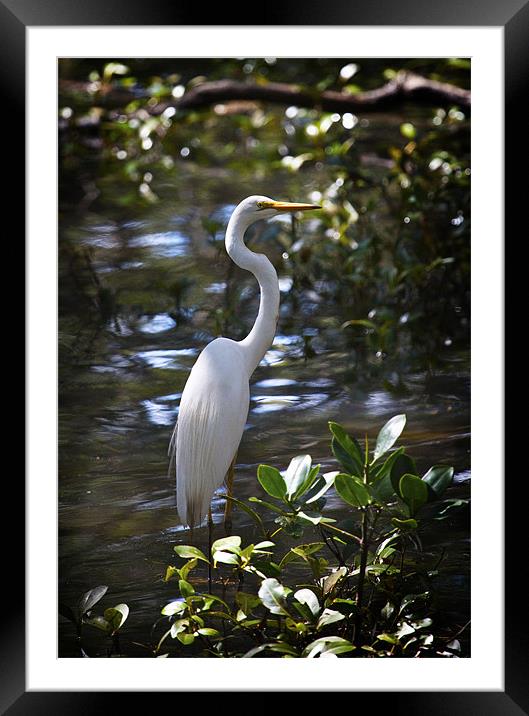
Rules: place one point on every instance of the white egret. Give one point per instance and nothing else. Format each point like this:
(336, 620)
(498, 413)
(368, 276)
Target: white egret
(216, 397)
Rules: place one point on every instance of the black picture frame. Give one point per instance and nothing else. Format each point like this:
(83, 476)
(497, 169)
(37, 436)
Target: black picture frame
(15, 16)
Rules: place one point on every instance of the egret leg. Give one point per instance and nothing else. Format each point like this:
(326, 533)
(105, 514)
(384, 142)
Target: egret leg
(210, 532)
(229, 490)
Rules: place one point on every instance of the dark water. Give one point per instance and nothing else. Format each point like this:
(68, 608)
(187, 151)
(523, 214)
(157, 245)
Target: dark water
(122, 377)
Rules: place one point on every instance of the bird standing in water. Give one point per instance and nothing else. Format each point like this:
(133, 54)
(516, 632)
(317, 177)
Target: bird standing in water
(216, 397)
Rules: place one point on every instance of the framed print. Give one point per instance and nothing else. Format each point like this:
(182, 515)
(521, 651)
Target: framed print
(331, 513)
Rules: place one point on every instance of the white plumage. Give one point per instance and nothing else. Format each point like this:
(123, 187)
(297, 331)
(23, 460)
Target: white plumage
(216, 397)
(211, 421)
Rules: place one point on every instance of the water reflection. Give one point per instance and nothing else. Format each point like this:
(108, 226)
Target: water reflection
(117, 516)
(156, 324)
(166, 358)
(166, 244)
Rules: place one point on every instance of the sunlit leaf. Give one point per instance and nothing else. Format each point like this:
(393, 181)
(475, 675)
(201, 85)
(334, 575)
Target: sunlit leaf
(332, 644)
(320, 486)
(307, 596)
(189, 552)
(274, 596)
(117, 616)
(90, 599)
(231, 544)
(388, 435)
(297, 473)
(329, 616)
(174, 608)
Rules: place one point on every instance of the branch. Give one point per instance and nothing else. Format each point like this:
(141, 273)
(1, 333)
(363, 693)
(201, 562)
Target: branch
(406, 86)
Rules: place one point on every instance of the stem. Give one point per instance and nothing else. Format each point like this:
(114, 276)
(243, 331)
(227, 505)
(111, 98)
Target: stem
(364, 546)
(342, 532)
(332, 547)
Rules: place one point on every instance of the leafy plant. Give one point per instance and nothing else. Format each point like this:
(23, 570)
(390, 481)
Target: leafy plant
(329, 614)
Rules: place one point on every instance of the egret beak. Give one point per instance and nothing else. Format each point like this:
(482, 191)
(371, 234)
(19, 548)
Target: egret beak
(289, 206)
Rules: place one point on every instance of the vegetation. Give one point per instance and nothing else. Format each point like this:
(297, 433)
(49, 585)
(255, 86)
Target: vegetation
(363, 590)
(393, 235)
(375, 300)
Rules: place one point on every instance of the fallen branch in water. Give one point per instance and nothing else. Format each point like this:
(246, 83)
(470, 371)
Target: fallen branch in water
(405, 87)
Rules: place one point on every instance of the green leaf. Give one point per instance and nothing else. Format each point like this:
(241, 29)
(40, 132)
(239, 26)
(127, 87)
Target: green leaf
(185, 638)
(404, 524)
(272, 481)
(207, 631)
(116, 616)
(403, 464)
(320, 486)
(382, 486)
(281, 648)
(344, 459)
(274, 596)
(186, 589)
(329, 616)
(90, 599)
(330, 582)
(247, 602)
(307, 596)
(388, 435)
(307, 484)
(265, 569)
(313, 517)
(174, 608)
(352, 490)
(414, 492)
(209, 599)
(293, 625)
(256, 650)
(247, 552)
(363, 322)
(189, 552)
(98, 623)
(268, 505)
(184, 570)
(297, 473)
(253, 514)
(389, 638)
(346, 450)
(225, 558)
(262, 545)
(438, 478)
(379, 471)
(302, 551)
(327, 644)
(231, 544)
(178, 626)
(170, 572)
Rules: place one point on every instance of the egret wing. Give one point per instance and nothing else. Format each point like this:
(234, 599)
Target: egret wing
(211, 420)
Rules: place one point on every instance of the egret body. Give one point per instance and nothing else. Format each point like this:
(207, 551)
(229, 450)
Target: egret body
(216, 396)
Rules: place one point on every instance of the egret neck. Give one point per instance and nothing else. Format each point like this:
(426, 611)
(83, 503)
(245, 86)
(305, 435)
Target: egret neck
(261, 337)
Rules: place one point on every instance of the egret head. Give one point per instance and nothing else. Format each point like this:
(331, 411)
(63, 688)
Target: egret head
(262, 207)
